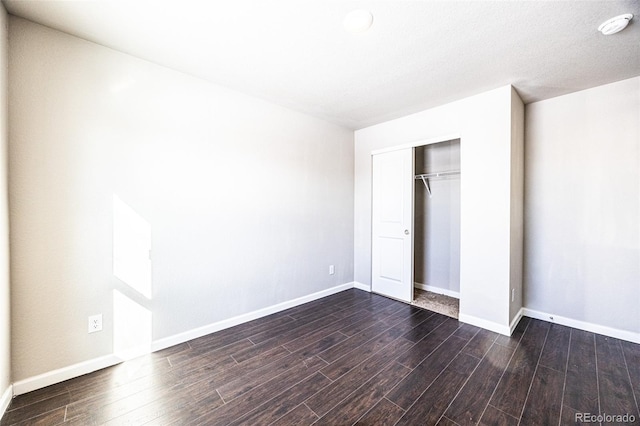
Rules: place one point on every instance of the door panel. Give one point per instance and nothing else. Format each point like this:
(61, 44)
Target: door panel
(392, 256)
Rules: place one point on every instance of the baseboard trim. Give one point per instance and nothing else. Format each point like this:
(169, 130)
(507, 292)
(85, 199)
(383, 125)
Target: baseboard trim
(437, 290)
(5, 400)
(240, 319)
(515, 321)
(483, 323)
(361, 286)
(66, 373)
(629, 336)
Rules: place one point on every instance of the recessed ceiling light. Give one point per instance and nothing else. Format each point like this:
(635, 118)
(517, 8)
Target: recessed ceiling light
(358, 20)
(615, 25)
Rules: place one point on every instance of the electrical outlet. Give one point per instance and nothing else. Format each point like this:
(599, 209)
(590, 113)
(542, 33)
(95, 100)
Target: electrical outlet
(332, 270)
(95, 323)
(513, 294)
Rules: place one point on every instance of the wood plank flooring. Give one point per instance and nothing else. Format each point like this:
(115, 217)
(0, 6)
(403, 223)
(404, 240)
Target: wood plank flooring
(354, 358)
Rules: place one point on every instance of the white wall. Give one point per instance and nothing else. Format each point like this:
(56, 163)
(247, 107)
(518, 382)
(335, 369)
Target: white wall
(247, 202)
(582, 204)
(484, 125)
(5, 305)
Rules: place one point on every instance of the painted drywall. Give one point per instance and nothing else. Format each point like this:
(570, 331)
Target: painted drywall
(244, 204)
(516, 267)
(5, 303)
(582, 206)
(484, 125)
(436, 232)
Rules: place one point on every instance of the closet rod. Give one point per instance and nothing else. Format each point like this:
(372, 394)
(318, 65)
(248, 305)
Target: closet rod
(438, 174)
(426, 176)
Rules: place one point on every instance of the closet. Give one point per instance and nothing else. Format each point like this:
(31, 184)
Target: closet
(436, 227)
(416, 225)
(447, 210)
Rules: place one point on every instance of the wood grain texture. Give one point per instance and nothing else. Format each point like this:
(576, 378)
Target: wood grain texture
(543, 406)
(423, 348)
(353, 358)
(354, 406)
(511, 393)
(631, 354)
(514, 340)
(581, 382)
(410, 389)
(384, 413)
(431, 405)
(469, 404)
(494, 417)
(285, 402)
(616, 391)
(301, 415)
(324, 401)
(556, 348)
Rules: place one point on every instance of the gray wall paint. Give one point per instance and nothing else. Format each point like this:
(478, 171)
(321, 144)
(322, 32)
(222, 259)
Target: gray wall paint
(582, 206)
(88, 123)
(5, 310)
(248, 203)
(516, 268)
(437, 217)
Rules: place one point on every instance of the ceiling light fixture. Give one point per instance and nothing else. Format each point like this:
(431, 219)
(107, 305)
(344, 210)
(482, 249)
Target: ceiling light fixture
(358, 21)
(615, 25)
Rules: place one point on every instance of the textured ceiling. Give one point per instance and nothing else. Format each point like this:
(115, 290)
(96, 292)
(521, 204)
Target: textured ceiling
(417, 54)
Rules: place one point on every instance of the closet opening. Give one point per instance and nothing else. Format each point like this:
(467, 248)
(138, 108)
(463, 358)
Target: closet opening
(436, 224)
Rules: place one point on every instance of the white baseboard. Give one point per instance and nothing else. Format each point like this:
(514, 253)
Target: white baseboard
(361, 286)
(240, 319)
(483, 323)
(515, 321)
(5, 400)
(629, 336)
(66, 373)
(59, 375)
(493, 326)
(437, 290)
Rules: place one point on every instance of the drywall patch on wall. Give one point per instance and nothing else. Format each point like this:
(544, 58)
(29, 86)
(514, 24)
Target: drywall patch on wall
(582, 206)
(246, 203)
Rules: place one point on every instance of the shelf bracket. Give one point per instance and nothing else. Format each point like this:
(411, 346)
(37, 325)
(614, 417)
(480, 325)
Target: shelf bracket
(426, 184)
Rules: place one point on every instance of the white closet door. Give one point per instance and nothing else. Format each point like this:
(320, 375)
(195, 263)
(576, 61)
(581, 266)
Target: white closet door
(392, 256)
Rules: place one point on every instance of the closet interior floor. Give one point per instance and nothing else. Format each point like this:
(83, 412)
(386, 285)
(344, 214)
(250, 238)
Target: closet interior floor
(445, 305)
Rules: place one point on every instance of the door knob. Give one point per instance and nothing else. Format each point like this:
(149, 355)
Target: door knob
(406, 232)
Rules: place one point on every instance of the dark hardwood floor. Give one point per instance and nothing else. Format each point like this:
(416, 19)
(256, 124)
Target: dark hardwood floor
(355, 358)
